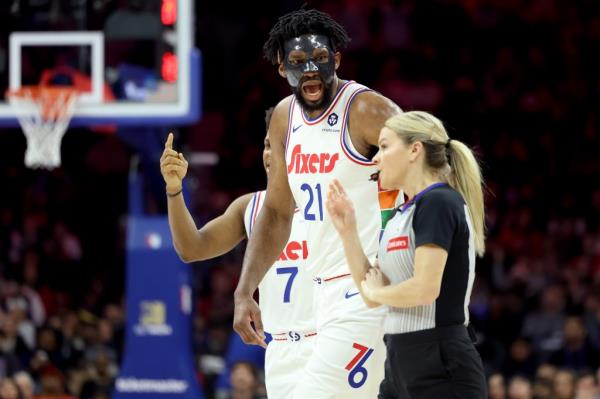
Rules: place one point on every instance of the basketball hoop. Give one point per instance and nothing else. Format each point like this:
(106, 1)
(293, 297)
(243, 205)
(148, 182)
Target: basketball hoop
(44, 113)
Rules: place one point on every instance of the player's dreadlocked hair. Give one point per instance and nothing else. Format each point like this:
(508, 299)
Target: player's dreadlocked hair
(302, 22)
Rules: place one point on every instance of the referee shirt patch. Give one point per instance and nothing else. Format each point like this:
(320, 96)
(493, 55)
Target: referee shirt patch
(397, 243)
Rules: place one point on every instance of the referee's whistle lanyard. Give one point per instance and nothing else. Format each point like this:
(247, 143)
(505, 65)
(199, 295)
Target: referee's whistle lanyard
(421, 193)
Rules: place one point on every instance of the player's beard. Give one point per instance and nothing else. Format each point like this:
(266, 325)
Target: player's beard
(319, 105)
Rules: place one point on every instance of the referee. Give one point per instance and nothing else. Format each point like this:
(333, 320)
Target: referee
(426, 259)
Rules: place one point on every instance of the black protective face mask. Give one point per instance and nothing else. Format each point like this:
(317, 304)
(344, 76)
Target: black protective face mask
(296, 70)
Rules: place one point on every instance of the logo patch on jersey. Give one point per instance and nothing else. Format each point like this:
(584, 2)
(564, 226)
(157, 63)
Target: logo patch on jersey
(349, 295)
(294, 250)
(294, 336)
(296, 128)
(398, 243)
(333, 119)
(311, 163)
(358, 372)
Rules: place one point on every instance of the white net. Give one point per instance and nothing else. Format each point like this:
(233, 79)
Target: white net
(44, 113)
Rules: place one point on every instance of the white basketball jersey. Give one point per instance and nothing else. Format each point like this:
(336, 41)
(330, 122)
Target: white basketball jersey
(317, 151)
(286, 291)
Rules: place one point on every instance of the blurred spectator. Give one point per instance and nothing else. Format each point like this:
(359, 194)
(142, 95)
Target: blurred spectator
(238, 352)
(576, 353)
(73, 345)
(17, 308)
(496, 387)
(52, 383)
(36, 307)
(102, 341)
(563, 386)
(244, 382)
(587, 387)
(521, 360)
(544, 326)
(114, 314)
(14, 351)
(519, 388)
(544, 380)
(591, 318)
(101, 375)
(49, 347)
(9, 389)
(25, 384)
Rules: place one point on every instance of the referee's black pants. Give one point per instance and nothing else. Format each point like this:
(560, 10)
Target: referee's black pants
(438, 363)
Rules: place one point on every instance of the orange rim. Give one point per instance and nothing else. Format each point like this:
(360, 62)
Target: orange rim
(50, 98)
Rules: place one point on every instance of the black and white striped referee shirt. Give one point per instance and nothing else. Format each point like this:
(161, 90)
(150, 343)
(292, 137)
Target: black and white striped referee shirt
(437, 215)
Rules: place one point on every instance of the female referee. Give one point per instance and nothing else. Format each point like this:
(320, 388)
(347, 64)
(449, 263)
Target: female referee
(426, 259)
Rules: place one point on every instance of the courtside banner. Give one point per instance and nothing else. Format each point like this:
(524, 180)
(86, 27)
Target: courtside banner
(158, 361)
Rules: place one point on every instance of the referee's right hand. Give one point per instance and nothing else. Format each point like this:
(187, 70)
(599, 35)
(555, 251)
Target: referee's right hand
(340, 208)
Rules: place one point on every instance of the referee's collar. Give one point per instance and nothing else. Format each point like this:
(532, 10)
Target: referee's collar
(421, 193)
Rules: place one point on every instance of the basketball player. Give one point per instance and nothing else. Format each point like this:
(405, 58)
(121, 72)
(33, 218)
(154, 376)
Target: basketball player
(286, 291)
(327, 129)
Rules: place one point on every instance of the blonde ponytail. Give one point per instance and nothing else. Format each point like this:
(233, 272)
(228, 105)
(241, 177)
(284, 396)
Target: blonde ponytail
(465, 177)
(443, 154)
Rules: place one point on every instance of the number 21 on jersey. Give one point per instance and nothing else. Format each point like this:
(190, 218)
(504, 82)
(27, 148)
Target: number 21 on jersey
(314, 206)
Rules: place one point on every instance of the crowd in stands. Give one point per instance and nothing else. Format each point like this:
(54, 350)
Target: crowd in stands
(516, 79)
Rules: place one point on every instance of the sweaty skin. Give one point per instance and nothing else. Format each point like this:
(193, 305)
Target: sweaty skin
(367, 115)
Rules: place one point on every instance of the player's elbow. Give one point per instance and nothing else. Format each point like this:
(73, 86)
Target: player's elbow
(186, 256)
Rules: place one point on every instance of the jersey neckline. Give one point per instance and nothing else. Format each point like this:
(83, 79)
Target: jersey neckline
(326, 112)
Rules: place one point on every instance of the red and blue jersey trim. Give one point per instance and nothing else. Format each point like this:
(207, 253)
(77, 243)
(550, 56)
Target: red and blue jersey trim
(344, 135)
(336, 277)
(251, 213)
(281, 337)
(254, 210)
(290, 120)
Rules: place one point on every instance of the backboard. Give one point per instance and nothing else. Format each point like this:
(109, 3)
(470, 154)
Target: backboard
(133, 60)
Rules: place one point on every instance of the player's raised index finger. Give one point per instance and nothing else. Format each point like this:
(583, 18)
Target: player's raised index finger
(169, 142)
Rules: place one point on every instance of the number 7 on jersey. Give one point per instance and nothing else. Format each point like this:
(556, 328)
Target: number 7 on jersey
(293, 272)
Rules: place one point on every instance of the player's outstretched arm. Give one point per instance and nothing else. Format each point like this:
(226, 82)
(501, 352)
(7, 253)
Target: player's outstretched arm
(216, 237)
(269, 235)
